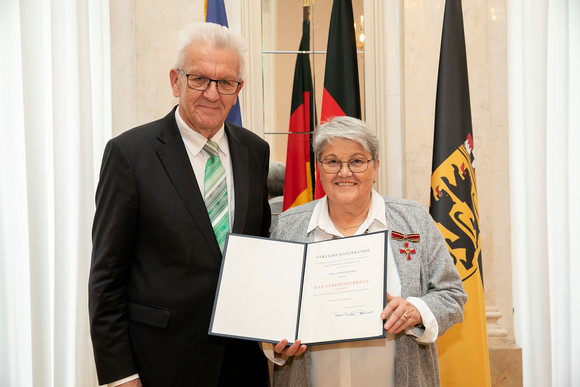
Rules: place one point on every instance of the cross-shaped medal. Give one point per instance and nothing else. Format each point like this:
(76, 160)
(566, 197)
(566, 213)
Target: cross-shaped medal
(407, 251)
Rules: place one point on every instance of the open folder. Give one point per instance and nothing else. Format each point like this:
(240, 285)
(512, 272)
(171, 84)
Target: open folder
(319, 292)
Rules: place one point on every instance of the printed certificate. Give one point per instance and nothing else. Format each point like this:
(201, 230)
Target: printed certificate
(321, 292)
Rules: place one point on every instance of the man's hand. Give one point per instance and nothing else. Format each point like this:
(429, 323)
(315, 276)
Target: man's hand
(296, 349)
(132, 383)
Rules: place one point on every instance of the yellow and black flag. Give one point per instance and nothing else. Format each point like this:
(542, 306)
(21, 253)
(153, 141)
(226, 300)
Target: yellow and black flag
(463, 353)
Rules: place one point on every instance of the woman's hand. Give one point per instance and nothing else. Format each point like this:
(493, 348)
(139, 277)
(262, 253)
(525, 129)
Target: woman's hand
(296, 349)
(402, 314)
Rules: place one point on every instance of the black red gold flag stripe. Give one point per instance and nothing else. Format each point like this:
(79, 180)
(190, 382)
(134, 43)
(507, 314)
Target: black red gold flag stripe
(341, 95)
(298, 182)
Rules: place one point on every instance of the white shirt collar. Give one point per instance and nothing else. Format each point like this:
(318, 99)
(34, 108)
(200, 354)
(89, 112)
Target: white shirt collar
(276, 199)
(376, 219)
(194, 141)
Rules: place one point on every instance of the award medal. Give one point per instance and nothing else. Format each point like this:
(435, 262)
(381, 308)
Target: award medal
(399, 236)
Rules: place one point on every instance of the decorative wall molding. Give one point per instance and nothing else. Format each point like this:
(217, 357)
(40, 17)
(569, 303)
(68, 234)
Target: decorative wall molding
(252, 95)
(384, 82)
(497, 336)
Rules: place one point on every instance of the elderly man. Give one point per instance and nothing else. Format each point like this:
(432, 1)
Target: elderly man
(168, 194)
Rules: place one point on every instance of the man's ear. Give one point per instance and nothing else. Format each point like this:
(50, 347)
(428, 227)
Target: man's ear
(239, 88)
(174, 80)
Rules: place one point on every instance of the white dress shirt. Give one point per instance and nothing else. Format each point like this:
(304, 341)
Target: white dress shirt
(194, 143)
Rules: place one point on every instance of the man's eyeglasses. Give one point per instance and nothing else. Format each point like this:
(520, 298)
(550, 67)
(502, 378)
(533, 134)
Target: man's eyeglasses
(355, 165)
(201, 83)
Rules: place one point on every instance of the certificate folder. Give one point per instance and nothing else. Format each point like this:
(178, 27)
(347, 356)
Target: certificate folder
(319, 293)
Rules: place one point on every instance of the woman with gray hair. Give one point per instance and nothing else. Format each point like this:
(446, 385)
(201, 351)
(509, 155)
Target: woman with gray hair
(425, 296)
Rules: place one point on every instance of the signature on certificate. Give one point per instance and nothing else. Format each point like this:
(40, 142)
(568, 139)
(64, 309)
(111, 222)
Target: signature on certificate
(354, 313)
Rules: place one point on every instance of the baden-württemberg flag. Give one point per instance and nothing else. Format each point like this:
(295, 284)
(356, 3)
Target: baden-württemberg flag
(463, 353)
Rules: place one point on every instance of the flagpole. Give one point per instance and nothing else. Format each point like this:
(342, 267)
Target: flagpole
(306, 10)
(306, 16)
(307, 13)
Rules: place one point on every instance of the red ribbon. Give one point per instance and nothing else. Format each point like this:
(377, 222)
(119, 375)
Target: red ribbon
(399, 236)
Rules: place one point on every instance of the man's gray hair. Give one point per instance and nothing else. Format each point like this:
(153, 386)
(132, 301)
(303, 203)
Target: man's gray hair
(348, 128)
(275, 181)
(212, 34)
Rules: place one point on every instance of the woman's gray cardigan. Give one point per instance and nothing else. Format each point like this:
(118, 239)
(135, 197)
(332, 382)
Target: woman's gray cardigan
(429, 275)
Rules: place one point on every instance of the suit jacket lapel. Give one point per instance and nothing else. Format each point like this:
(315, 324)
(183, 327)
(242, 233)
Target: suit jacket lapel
(173, 156)
(240, 169)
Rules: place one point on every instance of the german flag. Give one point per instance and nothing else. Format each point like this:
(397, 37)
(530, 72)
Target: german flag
(341, 94)
(298, 185)
(463, 352)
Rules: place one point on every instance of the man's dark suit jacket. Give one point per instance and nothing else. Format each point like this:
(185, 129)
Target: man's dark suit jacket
(156, 261)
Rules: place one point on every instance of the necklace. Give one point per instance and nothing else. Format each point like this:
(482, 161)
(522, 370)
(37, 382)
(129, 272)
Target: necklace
(346, 228)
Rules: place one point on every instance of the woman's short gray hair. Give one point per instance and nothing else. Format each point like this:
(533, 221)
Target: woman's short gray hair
(348, 128)
(212, 34)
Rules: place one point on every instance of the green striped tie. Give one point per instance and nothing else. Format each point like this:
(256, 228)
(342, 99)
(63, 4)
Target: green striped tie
(216, 193)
